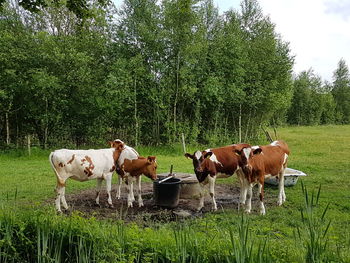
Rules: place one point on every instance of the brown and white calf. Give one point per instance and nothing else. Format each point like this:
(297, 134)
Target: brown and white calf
(258, 163)
(127, 152)
(84, 165)
(215, 163)
(132, 171)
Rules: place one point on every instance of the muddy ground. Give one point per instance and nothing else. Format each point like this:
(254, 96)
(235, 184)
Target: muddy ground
(227, 196)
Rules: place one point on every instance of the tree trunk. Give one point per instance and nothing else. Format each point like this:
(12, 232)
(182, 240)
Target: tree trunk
(28, 144)
(7, 128)
(176, 92)
(135, 114)
(46, 124)
(240, 124)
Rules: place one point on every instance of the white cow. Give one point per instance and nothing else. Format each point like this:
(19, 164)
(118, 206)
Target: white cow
(83, 165)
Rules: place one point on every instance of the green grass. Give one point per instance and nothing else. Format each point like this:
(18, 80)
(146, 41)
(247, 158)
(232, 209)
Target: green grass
(322, 152)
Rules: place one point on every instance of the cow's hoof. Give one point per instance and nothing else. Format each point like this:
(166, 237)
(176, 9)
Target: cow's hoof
(129, 204)
(200, 209)
(279, 203)
(247, 211)
(98, 205)
(110, 206)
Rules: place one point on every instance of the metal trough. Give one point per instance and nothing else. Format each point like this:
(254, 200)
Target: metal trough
(290, 177)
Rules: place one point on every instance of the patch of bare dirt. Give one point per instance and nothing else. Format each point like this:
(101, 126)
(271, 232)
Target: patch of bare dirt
(227, 197)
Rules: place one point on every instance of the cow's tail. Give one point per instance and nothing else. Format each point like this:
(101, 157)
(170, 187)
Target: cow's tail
(60, 181)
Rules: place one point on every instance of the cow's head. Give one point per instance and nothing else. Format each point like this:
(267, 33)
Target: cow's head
(197, 159)
(151, 168)
(117, 144)
(206, 167)
(245, 155)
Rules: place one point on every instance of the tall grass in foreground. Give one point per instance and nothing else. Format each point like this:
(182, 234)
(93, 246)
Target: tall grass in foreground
(313, 232)
(43, 236)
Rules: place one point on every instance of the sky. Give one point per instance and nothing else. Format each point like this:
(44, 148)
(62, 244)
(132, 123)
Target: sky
(318, 30)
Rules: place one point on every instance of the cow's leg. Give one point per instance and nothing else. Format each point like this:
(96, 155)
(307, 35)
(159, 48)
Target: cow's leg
(201, 196)
(243, 193)
(129, 195)
(240, 176)
(212, 191)
(132, 190)
(60, 189)
(98, 190)
(261, 195)
(63, 198)
(249, 192)
(119, 186)
(138, 181)
(281, 194)
(109, 188)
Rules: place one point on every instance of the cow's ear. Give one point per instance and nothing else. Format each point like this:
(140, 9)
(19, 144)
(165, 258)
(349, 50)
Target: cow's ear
(208, 155)
(189, 156)
(151, 159)
(257, 151)
(110, 143)
(238, 152)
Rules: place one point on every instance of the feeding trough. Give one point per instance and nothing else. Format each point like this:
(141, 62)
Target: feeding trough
(290, 177)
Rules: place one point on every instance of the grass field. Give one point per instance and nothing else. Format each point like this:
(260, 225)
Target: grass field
(322, 152)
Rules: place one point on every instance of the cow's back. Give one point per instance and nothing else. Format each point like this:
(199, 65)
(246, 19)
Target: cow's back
(228, 161)
(273, 158)
(82, 163)
(127, 153)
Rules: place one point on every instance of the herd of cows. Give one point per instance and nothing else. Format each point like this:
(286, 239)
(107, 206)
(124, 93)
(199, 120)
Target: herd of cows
(252, 164)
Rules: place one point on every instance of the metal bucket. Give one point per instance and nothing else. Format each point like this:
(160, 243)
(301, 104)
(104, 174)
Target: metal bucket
(167, 193)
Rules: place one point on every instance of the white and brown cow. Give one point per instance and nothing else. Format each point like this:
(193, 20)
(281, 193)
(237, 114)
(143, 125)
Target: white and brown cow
(126, 153)
(215, 163)
(83, 165)
(258, 163)
(132, 171)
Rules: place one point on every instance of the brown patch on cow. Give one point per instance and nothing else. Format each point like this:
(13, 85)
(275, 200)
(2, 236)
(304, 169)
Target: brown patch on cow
(71, 160)
(60, 164)
(112, 169)
(88, 170)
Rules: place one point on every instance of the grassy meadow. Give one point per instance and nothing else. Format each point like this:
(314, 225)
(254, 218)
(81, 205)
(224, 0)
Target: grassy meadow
(307, 228)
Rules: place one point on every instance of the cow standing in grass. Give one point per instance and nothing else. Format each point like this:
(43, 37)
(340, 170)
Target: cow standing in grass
(259, 162)
(215, 163)
(84, 165)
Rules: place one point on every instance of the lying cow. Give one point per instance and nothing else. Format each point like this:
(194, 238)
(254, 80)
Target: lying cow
(215, 163)
(83, 165)
(258, 163)
(126, 153)
(132, 171)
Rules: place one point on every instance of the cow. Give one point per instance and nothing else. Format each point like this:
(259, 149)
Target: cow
(84, 165)
(258, 163)
(126, 153)
(215, 163)
(132, 171)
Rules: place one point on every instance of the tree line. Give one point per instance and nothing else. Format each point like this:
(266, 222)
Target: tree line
(151, 71)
